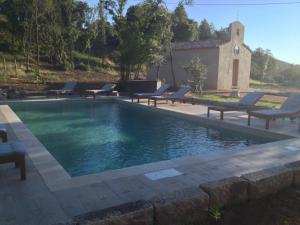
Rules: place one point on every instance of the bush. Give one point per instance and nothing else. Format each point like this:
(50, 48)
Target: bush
(68, 65)
(82, 66)
(199, 72)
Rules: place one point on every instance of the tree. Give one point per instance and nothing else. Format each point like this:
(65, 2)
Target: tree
(221, 34)
(143, 34)
(290, 76)
(205, 31)
(91, 31)
(37, 37)
(116, 10)
(263, 64)
(198, 70)
(102, 27)
(184, 29)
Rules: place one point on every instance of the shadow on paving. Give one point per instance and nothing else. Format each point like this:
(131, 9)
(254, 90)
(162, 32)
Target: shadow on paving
(279, 209)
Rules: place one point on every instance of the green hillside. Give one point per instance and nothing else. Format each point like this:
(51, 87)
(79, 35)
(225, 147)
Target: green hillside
(268, 69)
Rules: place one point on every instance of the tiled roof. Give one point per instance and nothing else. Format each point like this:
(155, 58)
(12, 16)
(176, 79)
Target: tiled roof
(197, 44)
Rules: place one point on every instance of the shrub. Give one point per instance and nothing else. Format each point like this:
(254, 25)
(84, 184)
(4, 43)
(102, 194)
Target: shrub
(82, 66)
(68, 65)
(199, 72)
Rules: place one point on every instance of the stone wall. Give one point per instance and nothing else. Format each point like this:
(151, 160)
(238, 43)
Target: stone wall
(226, 58)
(219, 60)
(181, 58)
(190, 205)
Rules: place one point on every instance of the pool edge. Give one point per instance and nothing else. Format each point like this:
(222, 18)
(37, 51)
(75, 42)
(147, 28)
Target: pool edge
(56, 177)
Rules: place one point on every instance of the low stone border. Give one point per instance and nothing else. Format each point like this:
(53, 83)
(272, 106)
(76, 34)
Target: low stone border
(295, 167)
(268, 181)
(180, 207)
(225, 192)
(134, 213)
(191, 205)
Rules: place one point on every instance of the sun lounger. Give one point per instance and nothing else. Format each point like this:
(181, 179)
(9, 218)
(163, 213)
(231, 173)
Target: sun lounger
(160, 91)
(290, 108)
(67, 89)
(106, 89)
(246, 103)
(179, 94)
(14, 152)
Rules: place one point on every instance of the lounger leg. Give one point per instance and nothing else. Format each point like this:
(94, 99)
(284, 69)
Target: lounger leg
(154, 102)
(249, 119)
(138, 100)
(148, 101)
(267, 123)
(221, 115)
(21, 164)
(3, 136)
(131, 99)
(208, 112)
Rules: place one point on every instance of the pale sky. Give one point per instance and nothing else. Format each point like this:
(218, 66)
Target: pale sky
(274, 27)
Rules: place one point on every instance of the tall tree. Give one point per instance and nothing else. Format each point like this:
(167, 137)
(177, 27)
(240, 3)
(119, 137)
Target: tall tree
(262, 65)
(205, 31)
(37, 37)
(143, 33)
(116, 10)
(221, 34)
(184, 29)
(102, 26)
(91, 31)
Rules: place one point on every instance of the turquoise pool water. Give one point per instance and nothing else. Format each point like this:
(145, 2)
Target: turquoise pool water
(93, 136)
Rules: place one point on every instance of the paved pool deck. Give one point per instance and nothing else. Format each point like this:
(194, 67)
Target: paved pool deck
(51, 196)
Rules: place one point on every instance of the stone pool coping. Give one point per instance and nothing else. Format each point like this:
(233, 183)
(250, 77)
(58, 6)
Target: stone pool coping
(56, 177)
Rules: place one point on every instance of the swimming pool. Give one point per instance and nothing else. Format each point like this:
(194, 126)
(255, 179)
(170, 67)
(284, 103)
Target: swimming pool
(88, 136)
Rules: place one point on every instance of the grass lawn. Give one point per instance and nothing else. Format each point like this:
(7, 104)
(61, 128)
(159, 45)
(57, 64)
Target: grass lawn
(219, 98)
(262, 83)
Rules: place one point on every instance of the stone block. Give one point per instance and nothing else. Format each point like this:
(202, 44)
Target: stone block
(295, 166)
(268, 181)
(227, 191)
(180, 207)
(134, 213)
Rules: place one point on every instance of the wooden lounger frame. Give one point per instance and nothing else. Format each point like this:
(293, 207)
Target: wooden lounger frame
(268, 118)
(19, 161)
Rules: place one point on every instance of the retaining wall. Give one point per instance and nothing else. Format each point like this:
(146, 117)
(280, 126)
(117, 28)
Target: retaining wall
(192, 204)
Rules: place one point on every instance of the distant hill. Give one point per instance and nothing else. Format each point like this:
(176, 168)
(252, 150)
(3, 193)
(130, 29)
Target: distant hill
(283, 64)
(265, 67)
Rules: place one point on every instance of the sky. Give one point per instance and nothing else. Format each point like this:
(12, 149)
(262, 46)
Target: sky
(274, 27)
